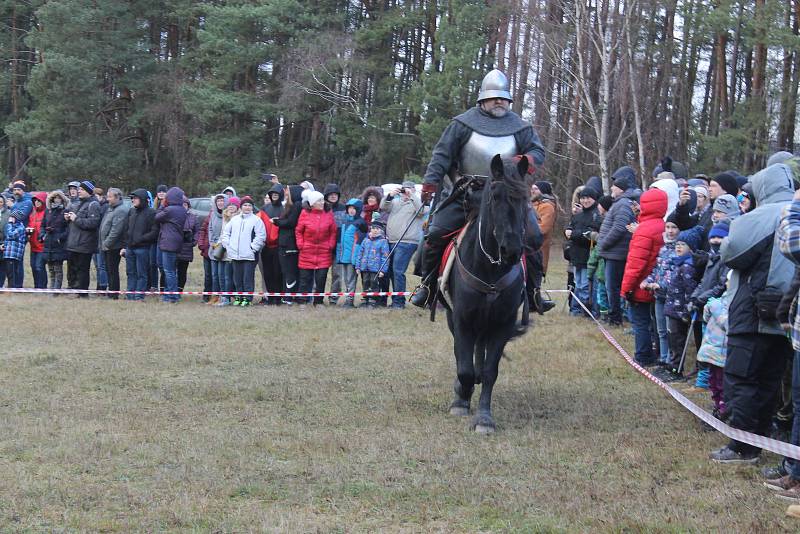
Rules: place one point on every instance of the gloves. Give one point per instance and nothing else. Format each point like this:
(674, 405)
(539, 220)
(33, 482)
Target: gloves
(531, 163)
(427, 193)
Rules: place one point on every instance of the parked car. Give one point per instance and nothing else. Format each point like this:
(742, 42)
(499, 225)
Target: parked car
(200, 207)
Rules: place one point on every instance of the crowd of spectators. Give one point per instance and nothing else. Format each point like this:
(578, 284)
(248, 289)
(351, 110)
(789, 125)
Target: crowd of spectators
(709, 259)
(295, 239)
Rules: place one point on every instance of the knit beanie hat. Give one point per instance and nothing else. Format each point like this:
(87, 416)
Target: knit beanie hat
(701, 190)
(19, 185)
(728, 205)
(691, 237)
(312, 197)
(606, 202)
(727, 182)
(162, 189)
(719, 230)
(545, 187)
(624, 178)
(246, 200)
(233, 200)
(589, 192)
(87, 186)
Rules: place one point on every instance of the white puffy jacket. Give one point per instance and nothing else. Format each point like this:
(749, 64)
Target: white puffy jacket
(243, 237)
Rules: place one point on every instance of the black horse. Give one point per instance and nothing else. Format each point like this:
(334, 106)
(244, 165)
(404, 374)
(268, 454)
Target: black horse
(487, 287)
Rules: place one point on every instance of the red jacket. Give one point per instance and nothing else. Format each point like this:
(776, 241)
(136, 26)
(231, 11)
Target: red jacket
(316, 239)
(645, 244)
(272, 230)
(35, 222)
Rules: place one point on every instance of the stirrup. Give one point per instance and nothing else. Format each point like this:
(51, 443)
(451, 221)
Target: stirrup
(420, 296)
(540, 304)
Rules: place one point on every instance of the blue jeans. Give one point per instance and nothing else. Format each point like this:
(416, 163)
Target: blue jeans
(581, 291)
(400, 260)
(216, 275)
(640, 317)
(601, 296)
(100, 266)
(39, 270)
(137, 268)
(663, 333)
(169, 261)
(793, 466)
(615, 269)
(18, 272)
(208, 281)
(226, 276)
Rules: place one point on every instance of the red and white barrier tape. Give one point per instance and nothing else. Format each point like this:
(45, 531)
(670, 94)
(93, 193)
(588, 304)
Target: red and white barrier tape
(778, 447)
(204, 293)
(773, 445)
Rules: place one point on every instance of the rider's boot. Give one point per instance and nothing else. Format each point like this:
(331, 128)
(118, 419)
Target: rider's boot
(540, 303)
(431, 257)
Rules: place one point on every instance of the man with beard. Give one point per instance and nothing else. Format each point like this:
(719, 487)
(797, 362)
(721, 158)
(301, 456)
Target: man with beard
(466, 149)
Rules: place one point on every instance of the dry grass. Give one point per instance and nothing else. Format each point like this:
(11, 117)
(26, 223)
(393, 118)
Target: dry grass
(150, 417)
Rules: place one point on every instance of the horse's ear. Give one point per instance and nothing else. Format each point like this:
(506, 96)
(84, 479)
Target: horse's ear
(498, 171)
(523, 165)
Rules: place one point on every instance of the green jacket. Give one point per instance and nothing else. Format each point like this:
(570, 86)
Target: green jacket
(596, 266)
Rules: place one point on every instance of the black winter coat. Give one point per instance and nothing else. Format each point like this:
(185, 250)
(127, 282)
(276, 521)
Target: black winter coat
(142, 227)
(55, 230)
(288, 221)
(582, 224)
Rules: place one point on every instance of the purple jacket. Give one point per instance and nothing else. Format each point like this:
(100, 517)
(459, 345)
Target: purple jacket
(171, 217)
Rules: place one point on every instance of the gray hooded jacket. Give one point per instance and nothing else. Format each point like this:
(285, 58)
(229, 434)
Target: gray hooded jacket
(752, 252)
(614, 238)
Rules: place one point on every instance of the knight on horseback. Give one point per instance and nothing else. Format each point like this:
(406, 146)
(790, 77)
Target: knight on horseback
(465, 151)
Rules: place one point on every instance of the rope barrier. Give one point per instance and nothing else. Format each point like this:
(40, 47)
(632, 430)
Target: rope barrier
(772, 445)
(205, 293)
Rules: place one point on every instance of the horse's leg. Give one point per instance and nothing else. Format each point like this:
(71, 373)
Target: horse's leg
(463, 347)
(480, 357)
(483, 422)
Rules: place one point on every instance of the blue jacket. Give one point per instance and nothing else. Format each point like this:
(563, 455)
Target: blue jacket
(373, 254)
(25, 207)
(352, 234)
(15, 240)
(663, 269)
(680, 288)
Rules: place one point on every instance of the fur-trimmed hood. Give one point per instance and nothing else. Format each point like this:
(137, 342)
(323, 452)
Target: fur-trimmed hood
(372, 190)
(54, 194)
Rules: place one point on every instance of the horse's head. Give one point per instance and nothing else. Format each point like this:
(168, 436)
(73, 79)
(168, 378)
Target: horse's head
(503, 209)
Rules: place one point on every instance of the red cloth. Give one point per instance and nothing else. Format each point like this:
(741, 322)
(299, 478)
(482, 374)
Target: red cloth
(316, 238)
(272, 230)
(202, 238)
(35, 222)
(645, 244)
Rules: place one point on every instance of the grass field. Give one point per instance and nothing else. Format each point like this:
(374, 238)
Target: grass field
(149, 417)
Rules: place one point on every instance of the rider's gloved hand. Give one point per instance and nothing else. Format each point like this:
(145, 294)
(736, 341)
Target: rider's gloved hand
(531, 163)
(427, 193)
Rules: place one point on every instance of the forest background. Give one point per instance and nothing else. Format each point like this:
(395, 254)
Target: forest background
(139, 92)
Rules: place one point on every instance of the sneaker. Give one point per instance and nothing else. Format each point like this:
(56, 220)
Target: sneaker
(774, 472)
(244, 303)
(263, 302)
(286, 302)
(224, 301)
(783, 483)
(725, 455)
(348, 304)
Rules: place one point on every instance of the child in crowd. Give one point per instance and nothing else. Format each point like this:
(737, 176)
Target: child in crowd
(713, 350)
(347, 249)
(372, 262)
(14, 247)
(232, 205)
(679, 290)
(658, 281)
(711, 286)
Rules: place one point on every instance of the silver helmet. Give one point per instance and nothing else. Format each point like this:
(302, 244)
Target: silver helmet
(495, 85)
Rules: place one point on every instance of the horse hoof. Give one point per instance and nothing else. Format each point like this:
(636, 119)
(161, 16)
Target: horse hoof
(483, 429)
(459, 411)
